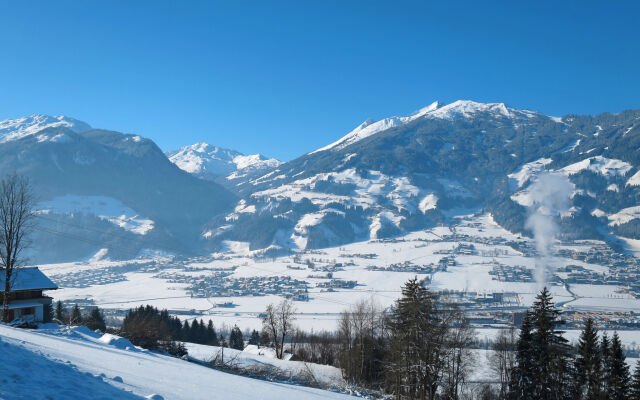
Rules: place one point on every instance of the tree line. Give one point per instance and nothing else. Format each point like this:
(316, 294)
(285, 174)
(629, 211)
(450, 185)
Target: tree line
(420, 348)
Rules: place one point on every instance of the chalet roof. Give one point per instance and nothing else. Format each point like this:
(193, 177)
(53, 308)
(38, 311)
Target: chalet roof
(28, 278)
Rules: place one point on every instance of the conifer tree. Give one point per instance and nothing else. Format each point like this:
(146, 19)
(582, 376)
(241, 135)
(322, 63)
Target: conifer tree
(61, 312)
(265, 340)
(95, 320)
(619, 379)
(588, 364)
(634, 392)
(522, 386)
(212, 337)
(236, 340)
(605, 356)
(544, 370)
(186, 332)
(415, 363)
(255, 338)
(76, 316)
(551, 350)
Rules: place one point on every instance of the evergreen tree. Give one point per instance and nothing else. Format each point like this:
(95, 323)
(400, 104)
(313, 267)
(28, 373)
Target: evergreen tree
(522, 385)
(236, 340)
(61, 312)
(212, 337)
(551, 350)
(619, 379)
(634, 392)
(95, 320)
(186, 332)
(416, 359)
(76, 316)
(264, 338)
(588, 364)
(255, 338)
(605, 356)
(544, 370)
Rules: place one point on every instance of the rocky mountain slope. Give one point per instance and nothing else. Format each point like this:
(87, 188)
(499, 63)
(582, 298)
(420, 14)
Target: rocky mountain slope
(99, 189)
(407, 173)
(384, 178)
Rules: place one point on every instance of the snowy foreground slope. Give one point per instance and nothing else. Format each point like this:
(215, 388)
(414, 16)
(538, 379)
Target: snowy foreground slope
(70, 363)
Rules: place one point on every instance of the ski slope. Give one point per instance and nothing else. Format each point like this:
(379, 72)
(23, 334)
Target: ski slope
(70, 363)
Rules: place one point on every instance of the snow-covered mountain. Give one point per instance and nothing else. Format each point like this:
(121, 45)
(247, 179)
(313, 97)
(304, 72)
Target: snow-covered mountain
(457, 109)
(384, 178)
(212, 162)
(407, 173)
(105, 192)
(14, 129)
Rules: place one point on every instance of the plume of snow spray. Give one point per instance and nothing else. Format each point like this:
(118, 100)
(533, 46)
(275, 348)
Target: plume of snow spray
(549, 195)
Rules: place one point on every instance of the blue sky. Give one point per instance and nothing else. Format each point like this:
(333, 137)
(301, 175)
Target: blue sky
(284, 78)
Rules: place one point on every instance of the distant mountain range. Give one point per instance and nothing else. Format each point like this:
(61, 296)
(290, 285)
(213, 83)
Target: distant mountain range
(100, 189)
(122, 193)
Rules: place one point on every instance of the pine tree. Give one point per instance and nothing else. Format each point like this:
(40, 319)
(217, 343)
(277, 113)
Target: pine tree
(415, 364)
(544, 370)
(551, 350)
(212, 337)
(619, 378)
(76, 316)
(588, 364)
(634, 392)
(95, 320)
(522, 385)
(605, 356)
(236, 340)
(186, 332)
(255, 338)
(265, 340)
(61, 312)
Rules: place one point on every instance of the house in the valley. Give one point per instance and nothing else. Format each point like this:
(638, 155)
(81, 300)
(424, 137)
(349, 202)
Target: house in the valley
(27, 300)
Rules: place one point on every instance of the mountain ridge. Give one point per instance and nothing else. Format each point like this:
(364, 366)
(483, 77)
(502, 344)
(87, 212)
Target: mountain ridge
(405, 174)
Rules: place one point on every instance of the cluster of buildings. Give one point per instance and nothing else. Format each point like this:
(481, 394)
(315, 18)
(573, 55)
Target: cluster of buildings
(221, 284)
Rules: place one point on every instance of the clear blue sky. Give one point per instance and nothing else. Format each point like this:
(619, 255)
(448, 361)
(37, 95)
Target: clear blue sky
(284, 78)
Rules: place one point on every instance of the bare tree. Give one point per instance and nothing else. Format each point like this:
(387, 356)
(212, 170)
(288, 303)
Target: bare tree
(503, 358)
(358, 331)
(16, 214)
(458, 357)
(278, 323)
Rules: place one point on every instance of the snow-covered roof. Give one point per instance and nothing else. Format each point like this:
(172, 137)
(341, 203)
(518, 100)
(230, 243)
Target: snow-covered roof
(28, 278)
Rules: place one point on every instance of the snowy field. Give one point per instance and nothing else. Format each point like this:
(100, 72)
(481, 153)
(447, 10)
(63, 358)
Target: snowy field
(71, 363)
(378, 267)
(254, 357)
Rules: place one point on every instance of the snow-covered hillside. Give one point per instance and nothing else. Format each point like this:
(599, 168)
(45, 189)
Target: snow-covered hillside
(457, 109)
(383, 179)
(14, 129)
(402, 174)
(99, 189)
(210, 162)
(71, 363)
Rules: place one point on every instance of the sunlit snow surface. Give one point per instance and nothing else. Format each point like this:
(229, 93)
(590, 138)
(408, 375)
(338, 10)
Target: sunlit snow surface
(436, 110)
(106, 208)
(71, 363)
(14, 129)
(144, 285)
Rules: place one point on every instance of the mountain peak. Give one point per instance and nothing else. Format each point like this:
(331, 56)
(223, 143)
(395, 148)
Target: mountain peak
(14, 129)
(207, 161)
(436, 110)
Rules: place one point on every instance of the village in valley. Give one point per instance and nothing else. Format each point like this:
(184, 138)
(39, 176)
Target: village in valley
(488, 272)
